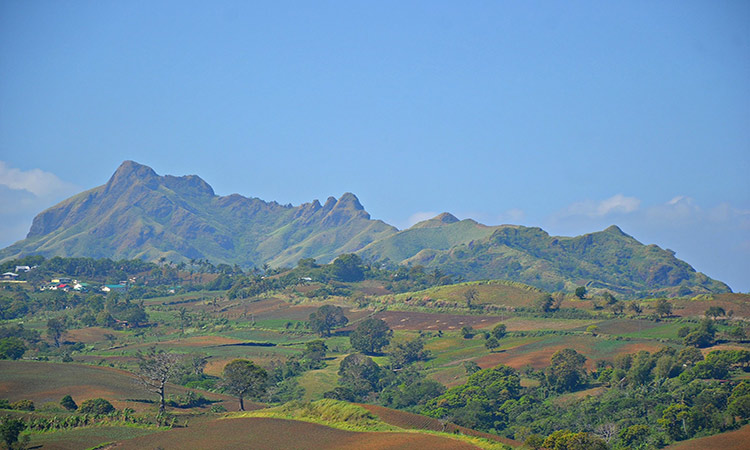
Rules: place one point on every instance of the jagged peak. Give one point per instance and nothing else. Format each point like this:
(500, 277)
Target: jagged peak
(131, 169)
(349, 201)
(614, 229)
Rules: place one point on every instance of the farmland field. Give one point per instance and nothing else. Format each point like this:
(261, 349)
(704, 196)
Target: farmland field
(269, 433)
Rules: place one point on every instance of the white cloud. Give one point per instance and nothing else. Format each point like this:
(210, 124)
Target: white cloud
(36, 181)
(616, 204)
(23, 194)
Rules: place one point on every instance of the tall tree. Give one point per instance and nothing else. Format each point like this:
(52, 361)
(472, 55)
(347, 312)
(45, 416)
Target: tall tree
(55, 330)
(326, 318)
(155, 368)
(566, 371)
(243, 378)
(371, 336)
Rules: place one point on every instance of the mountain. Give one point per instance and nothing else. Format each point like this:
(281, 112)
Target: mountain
(140, 214)
(608, 259)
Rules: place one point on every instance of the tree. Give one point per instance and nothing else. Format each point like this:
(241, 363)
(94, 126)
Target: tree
(674, 420)
(326, 318)
(663, 307)
(348, 267)
(491, 343)
(11, 348)
(155, 368)
(703, 336)
(545, 303)
(470, 295)
(97, 406)
(635, 307)
(371, 336)
(408, 352)
(715, 311)
(243, 378)
(10, 428)
(467, 332)
(315, 351)
(634, 436)
(359, 374)
(580, 292)
(55, 329)
(566, 371)
(68, 403)
(499, 331)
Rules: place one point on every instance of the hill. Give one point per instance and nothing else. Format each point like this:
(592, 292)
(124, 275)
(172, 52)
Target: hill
(608, 259)
(139, 214)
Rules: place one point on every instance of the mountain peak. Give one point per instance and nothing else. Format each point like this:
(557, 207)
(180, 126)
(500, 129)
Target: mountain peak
(349, 201)
(614, 229)
(130, 172)
(440, 220)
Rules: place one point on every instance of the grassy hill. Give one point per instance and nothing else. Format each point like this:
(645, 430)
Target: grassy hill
(608, 259)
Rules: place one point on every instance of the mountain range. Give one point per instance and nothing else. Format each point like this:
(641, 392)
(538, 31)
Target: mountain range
(140, 214)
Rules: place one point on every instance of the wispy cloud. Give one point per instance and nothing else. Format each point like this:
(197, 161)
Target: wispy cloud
(25, 193)
(616, 204)
(36, 181)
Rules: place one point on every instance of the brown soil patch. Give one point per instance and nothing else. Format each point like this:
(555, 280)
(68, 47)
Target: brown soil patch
(538, 359)
(635, 347)
(537, 354)
(266, 433)
(731, 440)
(739, 303)
(44, 382)
(412, 421)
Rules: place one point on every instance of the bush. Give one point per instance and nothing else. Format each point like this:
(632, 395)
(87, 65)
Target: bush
(23, 405)
(96, 406)
(68, 403)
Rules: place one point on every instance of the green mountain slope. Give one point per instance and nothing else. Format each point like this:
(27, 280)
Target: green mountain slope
(440, 233)
(141, 214)
(608, 259)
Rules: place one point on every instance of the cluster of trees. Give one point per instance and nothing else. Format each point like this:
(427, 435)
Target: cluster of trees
(682, 393)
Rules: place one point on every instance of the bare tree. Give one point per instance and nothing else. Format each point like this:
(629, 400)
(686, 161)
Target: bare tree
(470, 295)
(155, 368)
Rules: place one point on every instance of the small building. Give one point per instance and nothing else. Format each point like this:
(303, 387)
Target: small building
(9, 276)
(23, 268)
(112, 287)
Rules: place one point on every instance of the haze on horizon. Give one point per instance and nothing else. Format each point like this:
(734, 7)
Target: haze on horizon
(568, 116)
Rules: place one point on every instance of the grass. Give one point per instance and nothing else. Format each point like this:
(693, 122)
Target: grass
(316, 382)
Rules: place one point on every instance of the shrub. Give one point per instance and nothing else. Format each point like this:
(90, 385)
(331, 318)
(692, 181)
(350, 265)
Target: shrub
(23, 405)
(68, 403)
(96, 406)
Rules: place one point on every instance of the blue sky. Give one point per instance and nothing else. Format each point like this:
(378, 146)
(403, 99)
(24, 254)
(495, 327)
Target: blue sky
(569, 115)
